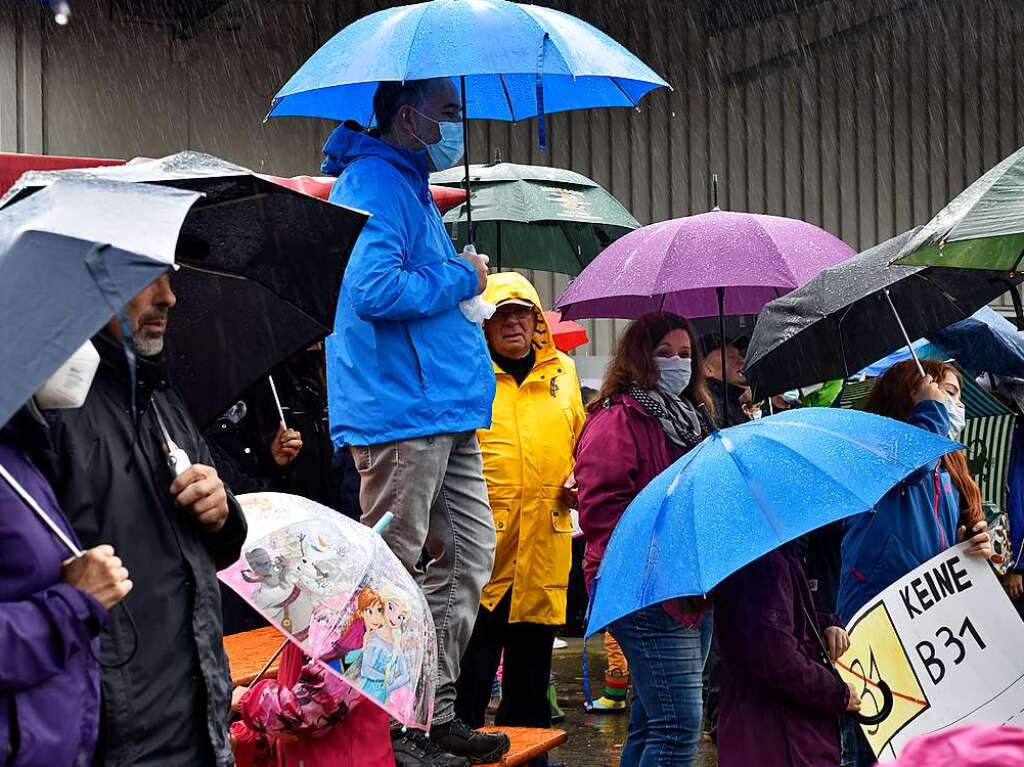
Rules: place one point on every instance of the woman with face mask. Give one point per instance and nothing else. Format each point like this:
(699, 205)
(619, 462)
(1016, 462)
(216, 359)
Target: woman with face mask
(653, 407)
(52, 606)
(936, 507)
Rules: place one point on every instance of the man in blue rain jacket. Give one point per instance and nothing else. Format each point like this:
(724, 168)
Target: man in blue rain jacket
(410, 380)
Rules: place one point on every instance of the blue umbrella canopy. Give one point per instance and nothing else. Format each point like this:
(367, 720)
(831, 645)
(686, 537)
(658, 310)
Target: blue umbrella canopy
(747, 490)
(518, 61)
(984, 342)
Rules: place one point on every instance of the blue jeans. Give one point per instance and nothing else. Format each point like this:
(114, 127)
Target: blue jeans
(666, 664)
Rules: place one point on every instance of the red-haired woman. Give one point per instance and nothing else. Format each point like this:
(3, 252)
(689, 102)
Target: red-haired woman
(644, 418)
(927, 512)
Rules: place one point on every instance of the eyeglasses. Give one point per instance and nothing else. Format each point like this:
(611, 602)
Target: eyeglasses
(514, 312)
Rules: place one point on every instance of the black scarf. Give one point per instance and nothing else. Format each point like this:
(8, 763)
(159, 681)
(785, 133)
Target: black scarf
(678, 417)
(519, 368)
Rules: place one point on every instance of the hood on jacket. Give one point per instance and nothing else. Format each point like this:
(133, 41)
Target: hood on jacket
(350, 142)
(505, 285)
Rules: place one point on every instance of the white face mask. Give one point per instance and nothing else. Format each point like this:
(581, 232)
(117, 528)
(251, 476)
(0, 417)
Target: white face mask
(957, 417)
(449, 149)
(69, 386)
(675, 373)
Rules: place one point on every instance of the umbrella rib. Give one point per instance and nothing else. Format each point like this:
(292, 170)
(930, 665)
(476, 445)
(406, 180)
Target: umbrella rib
(415, 36)
(214, 272)
(572, 247)
(953, 302)
(615, 80)
(508, 98)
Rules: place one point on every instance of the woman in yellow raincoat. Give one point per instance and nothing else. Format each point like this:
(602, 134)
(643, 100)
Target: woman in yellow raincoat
(528, 461)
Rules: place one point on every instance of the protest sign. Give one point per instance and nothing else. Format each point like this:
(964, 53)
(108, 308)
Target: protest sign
(938, 648)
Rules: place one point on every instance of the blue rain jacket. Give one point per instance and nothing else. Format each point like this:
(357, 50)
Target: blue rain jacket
(904, 529)
(403, 361)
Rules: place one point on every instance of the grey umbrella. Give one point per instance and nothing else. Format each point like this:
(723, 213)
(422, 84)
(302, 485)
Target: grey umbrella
(71, 257)
(857, 312)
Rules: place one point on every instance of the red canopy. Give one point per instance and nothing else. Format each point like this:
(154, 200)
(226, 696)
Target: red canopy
(13, 164)
(568, 334)
(445, 197)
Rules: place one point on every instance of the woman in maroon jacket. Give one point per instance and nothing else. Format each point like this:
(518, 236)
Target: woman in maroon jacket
(644, 418)
(779, 704)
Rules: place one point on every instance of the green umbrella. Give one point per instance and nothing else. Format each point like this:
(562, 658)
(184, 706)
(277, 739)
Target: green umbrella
(982, 228)
(535, 217)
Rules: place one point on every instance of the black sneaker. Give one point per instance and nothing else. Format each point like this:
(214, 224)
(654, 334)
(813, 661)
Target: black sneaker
(414, 749)
(457, 737)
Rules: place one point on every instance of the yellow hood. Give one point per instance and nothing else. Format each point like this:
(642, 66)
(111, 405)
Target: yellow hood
(505, 285)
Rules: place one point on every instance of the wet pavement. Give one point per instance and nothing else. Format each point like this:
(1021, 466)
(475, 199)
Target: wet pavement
(595, 740)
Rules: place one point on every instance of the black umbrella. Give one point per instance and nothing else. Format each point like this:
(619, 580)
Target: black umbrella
(846, 317)
(261, 270)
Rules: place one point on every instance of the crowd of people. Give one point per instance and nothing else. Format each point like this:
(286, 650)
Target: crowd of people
(478, 442)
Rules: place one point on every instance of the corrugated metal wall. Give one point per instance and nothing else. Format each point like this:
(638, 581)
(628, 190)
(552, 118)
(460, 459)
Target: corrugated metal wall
(862, 116)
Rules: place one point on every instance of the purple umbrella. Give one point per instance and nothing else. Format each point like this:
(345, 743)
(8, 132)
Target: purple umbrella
(718, 263)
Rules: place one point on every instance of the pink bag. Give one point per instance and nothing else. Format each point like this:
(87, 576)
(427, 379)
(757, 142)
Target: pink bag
(976, 745)
(325, 724)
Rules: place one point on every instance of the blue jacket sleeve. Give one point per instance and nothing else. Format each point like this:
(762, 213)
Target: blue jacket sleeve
(41, 632)
(381, 283)
(934, 417)
(1016, 501)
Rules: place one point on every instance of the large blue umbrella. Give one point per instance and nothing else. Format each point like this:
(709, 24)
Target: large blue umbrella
(518, 61)
(747, 490)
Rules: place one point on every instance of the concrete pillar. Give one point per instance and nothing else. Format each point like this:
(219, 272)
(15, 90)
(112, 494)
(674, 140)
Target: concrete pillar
(8, 78)
(21, 79)
(30, 83)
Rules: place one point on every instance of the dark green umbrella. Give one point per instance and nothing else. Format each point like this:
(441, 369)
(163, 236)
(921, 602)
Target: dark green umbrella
(534, 217)
(982, 228)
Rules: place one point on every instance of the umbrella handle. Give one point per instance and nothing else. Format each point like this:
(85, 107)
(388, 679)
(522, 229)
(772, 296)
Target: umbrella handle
(884, 711)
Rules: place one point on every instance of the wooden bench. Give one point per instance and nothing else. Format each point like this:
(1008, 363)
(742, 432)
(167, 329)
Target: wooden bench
(249, 651)
(527, 743)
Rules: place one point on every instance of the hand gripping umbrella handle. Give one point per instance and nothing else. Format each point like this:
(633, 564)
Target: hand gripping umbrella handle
(883, 687)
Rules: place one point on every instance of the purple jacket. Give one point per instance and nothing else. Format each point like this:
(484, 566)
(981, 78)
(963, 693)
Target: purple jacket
(620, 450)
(779, 705)
(49, 680)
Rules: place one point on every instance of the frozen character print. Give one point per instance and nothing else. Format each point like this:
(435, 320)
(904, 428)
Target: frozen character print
(277, 594)
(399, 694)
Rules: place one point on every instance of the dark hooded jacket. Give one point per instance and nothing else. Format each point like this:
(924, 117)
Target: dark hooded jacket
(779, 704)
(166, 690)
(736, 414)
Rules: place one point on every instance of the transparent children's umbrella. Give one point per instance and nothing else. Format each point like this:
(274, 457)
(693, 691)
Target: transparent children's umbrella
(333, 587)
